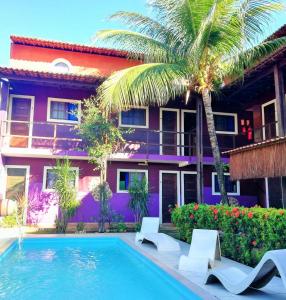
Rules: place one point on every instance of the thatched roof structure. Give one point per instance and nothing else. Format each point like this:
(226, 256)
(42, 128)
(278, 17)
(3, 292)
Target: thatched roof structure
(265, 159)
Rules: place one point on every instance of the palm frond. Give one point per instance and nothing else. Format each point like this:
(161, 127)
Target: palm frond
(138, 45)
(236, 66)
(147, 26)
(147, 84)
(254, 16)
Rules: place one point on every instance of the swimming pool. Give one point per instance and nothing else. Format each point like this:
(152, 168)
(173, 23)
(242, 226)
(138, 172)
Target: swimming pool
(84, 268)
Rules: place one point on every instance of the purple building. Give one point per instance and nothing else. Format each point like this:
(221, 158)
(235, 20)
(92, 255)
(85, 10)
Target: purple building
(46, 80)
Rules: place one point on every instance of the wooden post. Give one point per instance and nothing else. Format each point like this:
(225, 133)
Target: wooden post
(280, 100)
(199, 148)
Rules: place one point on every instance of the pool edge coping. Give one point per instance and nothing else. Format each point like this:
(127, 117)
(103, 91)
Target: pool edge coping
(6, 244)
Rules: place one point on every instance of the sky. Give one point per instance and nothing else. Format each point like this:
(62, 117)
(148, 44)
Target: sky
(73, 21)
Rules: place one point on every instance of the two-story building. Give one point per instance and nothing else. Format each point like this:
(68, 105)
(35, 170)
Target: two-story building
(262, 93)
(47, 80)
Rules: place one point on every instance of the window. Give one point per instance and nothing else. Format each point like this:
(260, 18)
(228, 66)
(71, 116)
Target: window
(225, 123)
(135, 117)
(126, 177)
(50, 176)
(61, 65)
(232, 187)
(63, 110)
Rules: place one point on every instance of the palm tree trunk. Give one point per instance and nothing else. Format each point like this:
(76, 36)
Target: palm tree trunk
(214, 144)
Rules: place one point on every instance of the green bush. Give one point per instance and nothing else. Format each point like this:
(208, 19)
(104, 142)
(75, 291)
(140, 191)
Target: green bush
(121, 227)
(245, 233)
(9, 221)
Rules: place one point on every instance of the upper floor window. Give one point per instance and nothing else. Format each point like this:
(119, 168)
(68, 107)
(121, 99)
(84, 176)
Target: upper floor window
(135, 117)
(225, 123)
(63, 110)
(126, 177)
(232, 187)
(50, 177)
(62, 65)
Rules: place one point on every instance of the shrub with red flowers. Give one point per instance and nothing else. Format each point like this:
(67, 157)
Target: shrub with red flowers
(245, 233)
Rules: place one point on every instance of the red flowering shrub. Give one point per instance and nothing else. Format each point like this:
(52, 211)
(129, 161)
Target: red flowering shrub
(246, 233)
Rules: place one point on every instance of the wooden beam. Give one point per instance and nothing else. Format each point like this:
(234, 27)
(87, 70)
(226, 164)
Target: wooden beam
(199, 149)
(280, 98)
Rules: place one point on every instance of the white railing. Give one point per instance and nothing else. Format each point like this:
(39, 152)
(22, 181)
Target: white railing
(23, 134)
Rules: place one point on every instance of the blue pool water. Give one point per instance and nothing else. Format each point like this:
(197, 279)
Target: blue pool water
(83, 268)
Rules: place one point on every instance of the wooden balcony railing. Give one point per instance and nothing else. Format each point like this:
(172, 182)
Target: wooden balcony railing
(62, 136)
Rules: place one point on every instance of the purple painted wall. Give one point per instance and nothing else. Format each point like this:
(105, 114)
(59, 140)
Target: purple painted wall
(43, 205)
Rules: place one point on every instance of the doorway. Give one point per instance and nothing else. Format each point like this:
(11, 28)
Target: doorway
(269, 120)
(188, 132)
(16, 181)
(189, 187)
(169, 193)
(169, 131)
(21, 117)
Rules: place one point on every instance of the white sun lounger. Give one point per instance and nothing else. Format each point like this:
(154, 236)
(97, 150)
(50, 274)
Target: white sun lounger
(149, 232)
(204, 251)
(237, 282)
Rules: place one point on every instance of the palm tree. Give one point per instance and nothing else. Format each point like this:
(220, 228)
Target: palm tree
(189, 46)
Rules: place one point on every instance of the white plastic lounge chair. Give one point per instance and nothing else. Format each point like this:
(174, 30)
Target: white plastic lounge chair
(204, 251)
(149, 232)
(237, 282)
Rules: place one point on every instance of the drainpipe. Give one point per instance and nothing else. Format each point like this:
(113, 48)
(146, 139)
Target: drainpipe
(199, 149)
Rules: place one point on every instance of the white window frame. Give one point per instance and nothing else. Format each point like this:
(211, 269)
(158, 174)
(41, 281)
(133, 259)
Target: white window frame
(136, 126)
(27, 182)
(229, 194)
(263, 117)
(183, 173)
(46, 168)
(62, 60)
(52, 99)
(235, 123)
(178, 128)
(161, 172)
(10, 104)
(127, 170)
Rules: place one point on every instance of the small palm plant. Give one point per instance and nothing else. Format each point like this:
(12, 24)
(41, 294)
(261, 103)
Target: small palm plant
(138, 203)
(191, 46)
(65, 188)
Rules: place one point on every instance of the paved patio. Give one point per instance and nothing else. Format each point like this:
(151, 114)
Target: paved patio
(169, 262)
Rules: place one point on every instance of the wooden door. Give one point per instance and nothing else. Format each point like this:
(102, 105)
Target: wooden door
(269, 118)
(189, 187)
(170, 132)
(20, 121)
(169, 193)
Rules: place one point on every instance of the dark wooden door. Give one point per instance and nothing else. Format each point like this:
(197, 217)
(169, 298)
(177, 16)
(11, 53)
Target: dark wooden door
(189, 134)
(170, 132)
(169, 194)
(190, 187)
(270, 125)
(20, 118)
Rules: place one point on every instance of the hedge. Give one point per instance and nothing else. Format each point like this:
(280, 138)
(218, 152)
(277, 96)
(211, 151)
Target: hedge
(245, 233)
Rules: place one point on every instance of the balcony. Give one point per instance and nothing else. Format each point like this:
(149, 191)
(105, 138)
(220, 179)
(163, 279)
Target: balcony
(49, 138)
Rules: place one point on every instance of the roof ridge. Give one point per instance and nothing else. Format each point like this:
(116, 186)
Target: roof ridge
(67, 46)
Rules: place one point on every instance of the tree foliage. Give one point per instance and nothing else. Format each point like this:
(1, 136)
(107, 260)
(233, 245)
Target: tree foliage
(101, 138)
(139, 196)
(189, 45)
(67, 195)
(100, 135)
